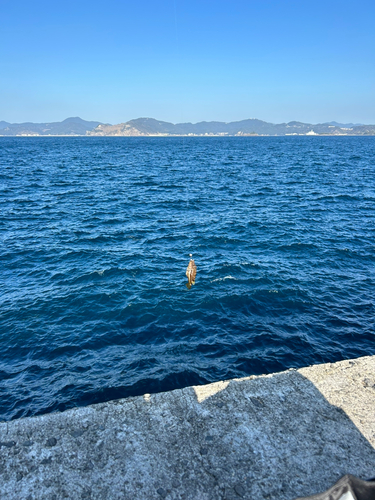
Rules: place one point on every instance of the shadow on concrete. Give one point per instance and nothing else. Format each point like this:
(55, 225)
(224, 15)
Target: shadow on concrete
(260, 438)
(288, 440)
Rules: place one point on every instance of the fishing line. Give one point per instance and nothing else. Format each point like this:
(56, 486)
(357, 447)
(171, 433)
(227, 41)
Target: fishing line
(180, 99)
(192, 268)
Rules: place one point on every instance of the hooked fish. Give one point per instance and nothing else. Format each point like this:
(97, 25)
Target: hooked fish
(191, 273)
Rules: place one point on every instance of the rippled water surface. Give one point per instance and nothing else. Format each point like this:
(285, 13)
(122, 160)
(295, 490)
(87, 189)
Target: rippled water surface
(95, 240)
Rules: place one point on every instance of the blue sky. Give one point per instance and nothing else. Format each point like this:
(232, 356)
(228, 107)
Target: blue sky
(187, 60)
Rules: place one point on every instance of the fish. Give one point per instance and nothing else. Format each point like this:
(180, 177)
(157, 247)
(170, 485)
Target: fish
(191, 273)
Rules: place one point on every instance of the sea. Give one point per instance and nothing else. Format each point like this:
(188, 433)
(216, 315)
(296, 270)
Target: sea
(95, 238)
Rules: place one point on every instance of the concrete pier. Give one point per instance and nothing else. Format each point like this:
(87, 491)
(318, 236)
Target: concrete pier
(278, 436)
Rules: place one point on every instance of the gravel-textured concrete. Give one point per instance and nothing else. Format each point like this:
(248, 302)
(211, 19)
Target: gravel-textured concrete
(273, 437)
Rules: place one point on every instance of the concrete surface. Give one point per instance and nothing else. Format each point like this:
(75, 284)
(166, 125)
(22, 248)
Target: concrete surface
(278, 437)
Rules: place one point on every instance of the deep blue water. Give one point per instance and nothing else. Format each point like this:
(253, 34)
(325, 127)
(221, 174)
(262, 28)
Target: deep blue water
(95, 236)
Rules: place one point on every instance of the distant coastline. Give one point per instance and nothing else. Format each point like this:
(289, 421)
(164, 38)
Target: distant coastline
(161, 136)
(149, 127)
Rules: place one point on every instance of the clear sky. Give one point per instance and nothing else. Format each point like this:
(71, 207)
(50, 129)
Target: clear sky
(187, 60)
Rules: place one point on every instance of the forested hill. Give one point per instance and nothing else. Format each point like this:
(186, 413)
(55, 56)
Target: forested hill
(70, 126)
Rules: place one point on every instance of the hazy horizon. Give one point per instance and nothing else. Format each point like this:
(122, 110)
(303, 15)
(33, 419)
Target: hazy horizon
(188, 61)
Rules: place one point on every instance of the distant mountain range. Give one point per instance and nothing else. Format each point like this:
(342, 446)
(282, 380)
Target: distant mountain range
(70, 126)
(345, 125)
(152, 127)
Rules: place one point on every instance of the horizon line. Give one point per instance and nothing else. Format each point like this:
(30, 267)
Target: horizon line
(188, 122)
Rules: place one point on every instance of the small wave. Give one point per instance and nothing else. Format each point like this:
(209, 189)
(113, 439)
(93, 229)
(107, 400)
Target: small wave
(223, 279)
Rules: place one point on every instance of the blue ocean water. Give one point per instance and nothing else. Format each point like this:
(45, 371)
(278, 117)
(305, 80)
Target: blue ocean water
(95, 240)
